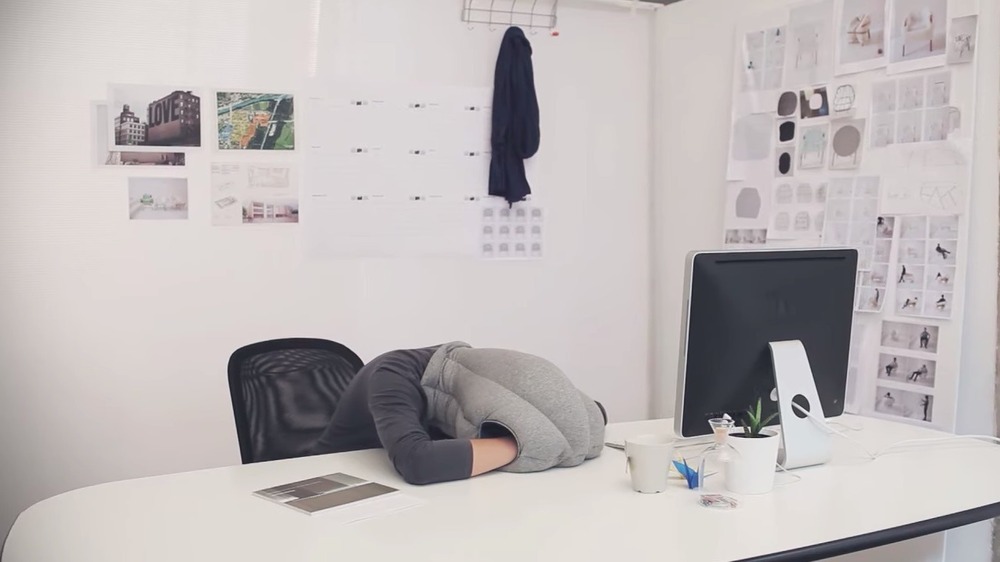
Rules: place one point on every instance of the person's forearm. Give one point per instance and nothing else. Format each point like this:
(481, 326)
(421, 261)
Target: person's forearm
(491, 454)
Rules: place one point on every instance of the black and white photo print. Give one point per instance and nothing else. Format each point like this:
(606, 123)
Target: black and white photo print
(907, 369)
(905, 404)
(914, 337)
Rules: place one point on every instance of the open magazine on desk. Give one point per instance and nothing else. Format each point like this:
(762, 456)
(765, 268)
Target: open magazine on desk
(339, 495)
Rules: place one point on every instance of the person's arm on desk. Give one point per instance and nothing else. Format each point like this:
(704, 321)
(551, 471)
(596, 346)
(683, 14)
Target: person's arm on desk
(492, 453)
(396, 407)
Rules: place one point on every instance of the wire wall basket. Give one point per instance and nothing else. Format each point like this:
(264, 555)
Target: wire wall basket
(529, 14)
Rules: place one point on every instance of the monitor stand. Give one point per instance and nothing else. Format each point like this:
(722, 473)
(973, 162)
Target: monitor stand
(804, 442)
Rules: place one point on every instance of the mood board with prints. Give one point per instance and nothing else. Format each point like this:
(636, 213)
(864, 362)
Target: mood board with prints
(852, 126)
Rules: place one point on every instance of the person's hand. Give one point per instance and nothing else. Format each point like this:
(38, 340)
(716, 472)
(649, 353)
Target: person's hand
(492, 453)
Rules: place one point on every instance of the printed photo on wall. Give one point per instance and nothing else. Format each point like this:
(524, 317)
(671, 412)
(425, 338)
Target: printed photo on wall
(813, 102)
(253, 194)
(745, 238)
(143, 117)
(917, 34)
(254, 121)
(157, 198)
(915, 337)
(911, 370)
(870, 299)
(909, 303)
(962, 39)
(861, 35)
(904, 404)
(885, 227)
(104, 157)
(941, 278)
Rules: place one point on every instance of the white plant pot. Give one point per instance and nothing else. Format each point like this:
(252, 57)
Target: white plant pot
(752, 470)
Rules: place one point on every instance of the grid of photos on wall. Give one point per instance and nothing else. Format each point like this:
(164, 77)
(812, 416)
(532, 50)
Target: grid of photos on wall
(145, 127)
(851, 128)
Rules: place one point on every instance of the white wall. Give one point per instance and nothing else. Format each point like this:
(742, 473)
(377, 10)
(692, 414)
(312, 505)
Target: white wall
(693, 58)
(115, 336)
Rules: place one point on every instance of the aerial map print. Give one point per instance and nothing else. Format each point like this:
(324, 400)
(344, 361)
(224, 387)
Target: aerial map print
(256, 121)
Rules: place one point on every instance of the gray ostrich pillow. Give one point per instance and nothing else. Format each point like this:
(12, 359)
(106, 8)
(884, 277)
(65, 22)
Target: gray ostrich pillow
(554, 423)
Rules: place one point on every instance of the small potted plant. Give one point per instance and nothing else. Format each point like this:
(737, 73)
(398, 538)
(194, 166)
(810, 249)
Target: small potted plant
(752, 470)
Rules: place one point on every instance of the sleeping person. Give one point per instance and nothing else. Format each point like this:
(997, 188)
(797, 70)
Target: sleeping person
(451, 411)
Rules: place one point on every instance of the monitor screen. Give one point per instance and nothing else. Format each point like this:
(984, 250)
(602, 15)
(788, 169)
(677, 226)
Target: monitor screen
(737, 303)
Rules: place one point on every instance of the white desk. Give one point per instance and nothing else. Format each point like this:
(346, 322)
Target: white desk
(583, 513)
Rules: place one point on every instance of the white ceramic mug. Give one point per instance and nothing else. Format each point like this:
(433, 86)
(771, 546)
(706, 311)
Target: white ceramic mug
(648, 460)
(752, 470)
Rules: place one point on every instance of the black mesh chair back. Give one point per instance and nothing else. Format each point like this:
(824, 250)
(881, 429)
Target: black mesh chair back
(284, 393)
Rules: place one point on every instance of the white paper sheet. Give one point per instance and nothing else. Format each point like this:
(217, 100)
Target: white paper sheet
(750, 140)
(927, 265)
(374, 226)
(851, 219)
(396, 170)
(927, 193)
(797, 210)
(516, 233)
(761, 59)
(809, 49)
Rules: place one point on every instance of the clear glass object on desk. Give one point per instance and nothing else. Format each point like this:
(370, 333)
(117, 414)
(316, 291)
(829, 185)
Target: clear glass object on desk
(720, 449)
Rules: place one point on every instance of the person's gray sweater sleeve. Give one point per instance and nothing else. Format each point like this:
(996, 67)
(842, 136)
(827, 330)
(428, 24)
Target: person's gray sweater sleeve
(397, 406)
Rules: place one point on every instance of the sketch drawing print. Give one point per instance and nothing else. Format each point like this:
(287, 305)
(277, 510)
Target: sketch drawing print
(940, 196)
(812, 147)
(962, 39)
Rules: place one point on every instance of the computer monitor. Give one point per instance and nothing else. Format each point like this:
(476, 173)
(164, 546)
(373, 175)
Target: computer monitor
(737, 304)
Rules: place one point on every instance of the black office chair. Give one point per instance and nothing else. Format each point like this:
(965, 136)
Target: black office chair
(284, 393)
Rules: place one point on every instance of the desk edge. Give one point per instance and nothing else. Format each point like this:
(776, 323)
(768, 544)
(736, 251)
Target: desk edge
(883, 537)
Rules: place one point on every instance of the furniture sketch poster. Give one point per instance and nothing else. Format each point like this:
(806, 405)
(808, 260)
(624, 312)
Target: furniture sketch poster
(512, 232)
(894, 126)
(258, 193)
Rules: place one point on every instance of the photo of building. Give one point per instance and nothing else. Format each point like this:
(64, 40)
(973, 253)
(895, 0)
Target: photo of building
(155, 116)
(129, 129)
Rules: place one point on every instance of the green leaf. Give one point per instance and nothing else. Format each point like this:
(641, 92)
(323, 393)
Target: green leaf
(769, 418)
(758, 411)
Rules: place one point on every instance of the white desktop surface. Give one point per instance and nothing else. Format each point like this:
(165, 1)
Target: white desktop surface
(583, 513)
